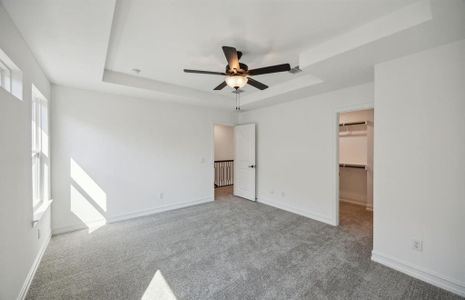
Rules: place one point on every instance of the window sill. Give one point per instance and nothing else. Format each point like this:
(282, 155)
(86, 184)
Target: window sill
(40, 211)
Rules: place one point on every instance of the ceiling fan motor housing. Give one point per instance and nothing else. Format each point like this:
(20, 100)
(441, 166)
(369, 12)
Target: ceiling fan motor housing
(243, 68)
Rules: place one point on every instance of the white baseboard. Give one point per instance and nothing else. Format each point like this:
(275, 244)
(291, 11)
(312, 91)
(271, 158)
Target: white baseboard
(155, 210)
(67, 229)
(356, 202)
(352, 201)
(132, 215)
(298, 211)
(32, 271)
(420, 273)
(356, 197)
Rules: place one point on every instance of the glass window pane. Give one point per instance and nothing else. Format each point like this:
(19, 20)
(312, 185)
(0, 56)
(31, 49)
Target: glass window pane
(40, 148)
(35, 181)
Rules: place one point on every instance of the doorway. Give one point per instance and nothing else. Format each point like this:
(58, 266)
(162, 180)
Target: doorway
(355, 188)
(234, 161)
(223, 161)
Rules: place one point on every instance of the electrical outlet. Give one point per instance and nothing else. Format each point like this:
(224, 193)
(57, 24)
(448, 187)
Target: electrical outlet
(162, 195)
(417, 245)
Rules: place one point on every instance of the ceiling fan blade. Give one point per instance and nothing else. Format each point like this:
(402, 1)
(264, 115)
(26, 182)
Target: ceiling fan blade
(221, 86)
(270, 69)
(256, 84)
(204, 72)
(231, 57)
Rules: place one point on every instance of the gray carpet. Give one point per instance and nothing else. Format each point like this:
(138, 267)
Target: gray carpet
(229, 249)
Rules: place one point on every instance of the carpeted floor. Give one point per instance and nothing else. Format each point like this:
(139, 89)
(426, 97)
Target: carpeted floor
(227, 249)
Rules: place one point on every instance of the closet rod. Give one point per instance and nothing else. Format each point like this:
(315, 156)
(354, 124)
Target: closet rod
(353, 123)
(352, 166)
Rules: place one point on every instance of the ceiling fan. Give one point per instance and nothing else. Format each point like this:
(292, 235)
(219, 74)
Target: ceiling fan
(238, 74)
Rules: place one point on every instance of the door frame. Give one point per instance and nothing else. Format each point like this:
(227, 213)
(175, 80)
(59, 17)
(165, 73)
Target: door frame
(212, 158)
(335, 168)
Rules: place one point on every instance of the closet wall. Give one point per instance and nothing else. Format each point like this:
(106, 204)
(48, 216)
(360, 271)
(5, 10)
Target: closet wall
(356, 158)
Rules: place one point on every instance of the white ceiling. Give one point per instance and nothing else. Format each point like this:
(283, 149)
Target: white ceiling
(163, 37)
(95, 44)
(68, 38)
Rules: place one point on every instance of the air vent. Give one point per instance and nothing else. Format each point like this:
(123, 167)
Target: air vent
(295, 70)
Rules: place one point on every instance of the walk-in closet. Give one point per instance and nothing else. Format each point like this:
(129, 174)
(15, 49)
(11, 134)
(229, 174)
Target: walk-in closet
(356, 159)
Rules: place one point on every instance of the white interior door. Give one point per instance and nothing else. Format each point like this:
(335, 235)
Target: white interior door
(244, 161)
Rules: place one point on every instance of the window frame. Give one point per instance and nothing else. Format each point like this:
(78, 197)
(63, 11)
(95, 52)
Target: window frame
(11, 76)
(38, 103)
(5, 76)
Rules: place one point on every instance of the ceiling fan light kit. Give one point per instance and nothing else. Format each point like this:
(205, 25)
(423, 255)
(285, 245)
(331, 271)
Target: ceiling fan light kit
(236, 81)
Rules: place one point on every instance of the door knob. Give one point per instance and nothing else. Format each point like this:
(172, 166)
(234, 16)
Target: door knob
(252, 166)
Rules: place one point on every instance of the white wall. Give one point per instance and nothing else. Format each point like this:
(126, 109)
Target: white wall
(20, 245)
(114, 156)
(420, 165)
(297, 159)
(224, 142)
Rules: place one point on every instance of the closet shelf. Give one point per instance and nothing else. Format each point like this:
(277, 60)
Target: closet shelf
(353, 123)
(351, 133)
(355, 166)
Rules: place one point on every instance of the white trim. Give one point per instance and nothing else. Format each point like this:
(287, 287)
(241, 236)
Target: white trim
(68, 229)
(428, 276)
(355, 202)
(351, 196)
(282, 88)
(368, 207)
(399, 20)
(159, 209)
(15, 81)
(132, 215)
(5, 76)
(39, 211)
(308, 214)
(32, 271)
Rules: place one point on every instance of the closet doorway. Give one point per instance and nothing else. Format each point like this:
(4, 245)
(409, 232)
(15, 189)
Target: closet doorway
(355, 148)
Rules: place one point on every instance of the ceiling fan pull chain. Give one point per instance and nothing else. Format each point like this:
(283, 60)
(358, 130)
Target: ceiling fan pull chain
(239, 101)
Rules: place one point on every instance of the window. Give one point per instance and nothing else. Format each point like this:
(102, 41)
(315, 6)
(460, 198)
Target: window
(11, 77)
(5, 76)
(40, 153)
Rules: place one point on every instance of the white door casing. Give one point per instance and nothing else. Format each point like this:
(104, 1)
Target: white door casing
(244, 162)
